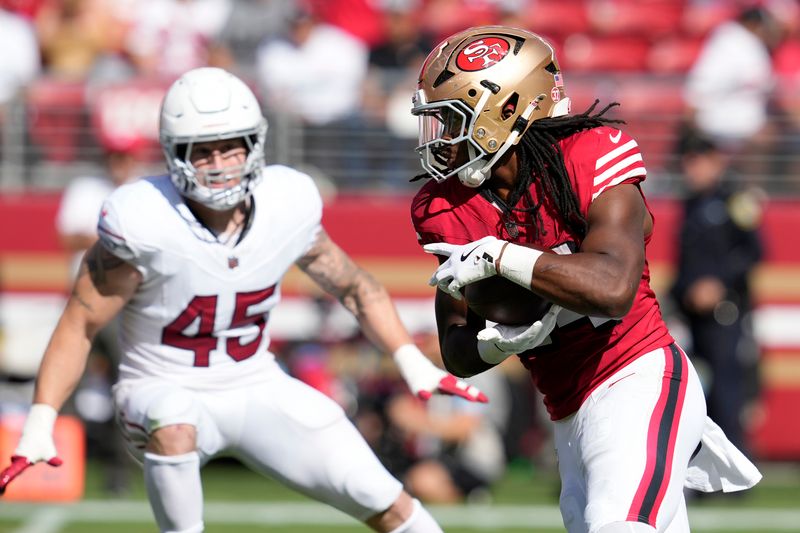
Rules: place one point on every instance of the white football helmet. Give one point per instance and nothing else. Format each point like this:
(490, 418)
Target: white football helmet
(211, 104)
(467, 88)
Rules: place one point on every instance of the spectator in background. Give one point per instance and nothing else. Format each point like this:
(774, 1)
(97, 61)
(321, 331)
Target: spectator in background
(315, 73)
(169, 37)
(76, 220)
(80, 38)
(458, 445)
(249, 23)
(393, 64)
(19, 68)
(76, 223)
(404, 44)
(728, 88)
(718, 248)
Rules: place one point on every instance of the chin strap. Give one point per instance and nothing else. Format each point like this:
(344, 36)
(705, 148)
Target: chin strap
(474, 175)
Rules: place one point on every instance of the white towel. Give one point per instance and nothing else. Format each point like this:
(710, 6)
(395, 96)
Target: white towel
(719, 465)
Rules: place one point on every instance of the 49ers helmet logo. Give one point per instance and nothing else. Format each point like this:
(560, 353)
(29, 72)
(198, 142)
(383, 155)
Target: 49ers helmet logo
(482, 53)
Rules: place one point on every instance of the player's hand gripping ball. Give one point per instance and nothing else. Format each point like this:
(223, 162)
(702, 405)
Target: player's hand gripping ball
(470, 272)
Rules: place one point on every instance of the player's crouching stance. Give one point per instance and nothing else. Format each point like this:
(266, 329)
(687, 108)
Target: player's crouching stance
(510, 165)
(193, 260)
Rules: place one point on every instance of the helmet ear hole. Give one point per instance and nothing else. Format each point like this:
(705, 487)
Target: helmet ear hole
(182, 151)
(510, 106)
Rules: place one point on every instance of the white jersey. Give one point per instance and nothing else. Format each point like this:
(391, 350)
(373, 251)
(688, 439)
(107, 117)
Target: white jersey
(199, 316)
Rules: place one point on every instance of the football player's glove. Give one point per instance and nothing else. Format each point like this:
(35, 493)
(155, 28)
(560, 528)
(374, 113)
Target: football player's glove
(465, 263)
(424, 378)
(498, 342)
(481, 259)
(35, 445)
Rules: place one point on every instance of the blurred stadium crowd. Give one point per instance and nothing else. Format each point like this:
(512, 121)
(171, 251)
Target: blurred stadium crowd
(86, 76)
(82, 79)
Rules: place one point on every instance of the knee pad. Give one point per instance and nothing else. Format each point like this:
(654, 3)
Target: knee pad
(175, 407)
(371, 490)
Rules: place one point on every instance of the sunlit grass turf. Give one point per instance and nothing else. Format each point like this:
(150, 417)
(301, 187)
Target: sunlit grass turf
(227, 481)
(106, 528)
(523, 485)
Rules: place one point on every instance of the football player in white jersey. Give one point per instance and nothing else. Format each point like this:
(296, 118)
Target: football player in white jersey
(193, 261)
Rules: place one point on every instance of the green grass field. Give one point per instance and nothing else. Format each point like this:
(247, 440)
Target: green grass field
(238, 501)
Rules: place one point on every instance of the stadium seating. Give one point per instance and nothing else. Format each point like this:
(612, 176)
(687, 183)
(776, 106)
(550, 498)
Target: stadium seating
(56, 118)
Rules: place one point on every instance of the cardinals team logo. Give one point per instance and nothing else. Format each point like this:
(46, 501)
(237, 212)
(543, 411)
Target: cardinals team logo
(482, 53)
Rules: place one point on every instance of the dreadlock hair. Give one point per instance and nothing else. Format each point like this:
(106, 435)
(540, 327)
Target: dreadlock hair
(540, 158)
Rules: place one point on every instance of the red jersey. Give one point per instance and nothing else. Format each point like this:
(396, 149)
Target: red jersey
(584, 351)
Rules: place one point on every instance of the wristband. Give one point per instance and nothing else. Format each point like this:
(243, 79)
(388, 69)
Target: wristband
(41, 418)
(408, 356)
(516, 264)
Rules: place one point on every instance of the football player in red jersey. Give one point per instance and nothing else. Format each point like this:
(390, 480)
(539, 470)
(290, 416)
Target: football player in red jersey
(508, 164)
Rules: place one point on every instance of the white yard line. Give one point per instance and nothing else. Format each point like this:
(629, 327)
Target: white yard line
(46, 520)
(50, 518)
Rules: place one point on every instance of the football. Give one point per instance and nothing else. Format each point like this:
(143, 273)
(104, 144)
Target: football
(501, 300)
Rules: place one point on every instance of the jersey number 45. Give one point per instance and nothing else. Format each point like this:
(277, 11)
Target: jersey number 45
(204, 308)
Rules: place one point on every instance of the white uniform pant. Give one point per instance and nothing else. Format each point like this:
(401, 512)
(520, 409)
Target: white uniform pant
(281, 428)
(624, 454)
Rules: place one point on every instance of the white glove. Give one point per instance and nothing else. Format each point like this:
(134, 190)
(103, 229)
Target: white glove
(424, 378)
(498, 342)
(465, 263)
(36, 444)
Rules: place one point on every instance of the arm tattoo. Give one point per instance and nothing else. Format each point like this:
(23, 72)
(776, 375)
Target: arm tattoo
(337, 274)
(81, 301)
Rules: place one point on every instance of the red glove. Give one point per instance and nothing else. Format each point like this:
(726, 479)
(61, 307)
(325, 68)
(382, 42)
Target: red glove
(18, 465)
(424, 378)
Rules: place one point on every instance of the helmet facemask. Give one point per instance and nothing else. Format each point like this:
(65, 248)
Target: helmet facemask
(219, 189)
(443, 126)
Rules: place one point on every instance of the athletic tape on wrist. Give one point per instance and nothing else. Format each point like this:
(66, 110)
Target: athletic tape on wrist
(409, 354)
(517, 264)
(41, 417)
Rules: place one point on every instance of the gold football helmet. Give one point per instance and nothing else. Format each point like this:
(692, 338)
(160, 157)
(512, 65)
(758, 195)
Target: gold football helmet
(483, 86)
